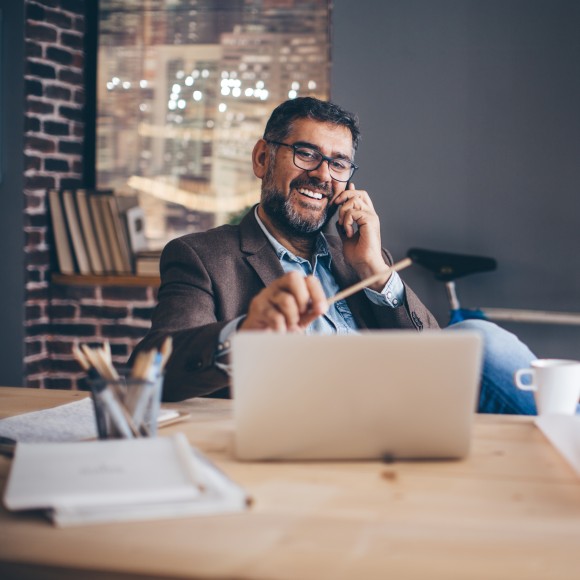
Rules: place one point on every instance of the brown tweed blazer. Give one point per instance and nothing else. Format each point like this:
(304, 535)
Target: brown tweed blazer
(209, 278)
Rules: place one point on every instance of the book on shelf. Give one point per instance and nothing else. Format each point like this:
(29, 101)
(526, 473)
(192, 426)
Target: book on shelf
(64, 253)
(116, 234)
(75, 231)
(101, 233)
(89, 231)
(118, 480)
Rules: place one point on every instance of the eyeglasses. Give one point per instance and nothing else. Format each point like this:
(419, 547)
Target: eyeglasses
(310, 160)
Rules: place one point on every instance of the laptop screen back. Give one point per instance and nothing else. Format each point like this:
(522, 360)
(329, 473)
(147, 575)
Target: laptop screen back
(395, 394)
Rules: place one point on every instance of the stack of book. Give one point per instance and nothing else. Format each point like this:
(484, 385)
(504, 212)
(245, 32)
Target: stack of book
(93, 233)
(117, 480)
(147, 263)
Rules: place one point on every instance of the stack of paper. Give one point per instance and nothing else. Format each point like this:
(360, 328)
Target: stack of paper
(115, 480)
(563, 432)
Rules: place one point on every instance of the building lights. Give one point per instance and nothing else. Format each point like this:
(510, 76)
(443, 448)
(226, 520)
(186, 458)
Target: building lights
(217, 92)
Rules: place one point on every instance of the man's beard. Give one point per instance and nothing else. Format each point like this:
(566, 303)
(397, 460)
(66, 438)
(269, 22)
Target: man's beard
(281, 211)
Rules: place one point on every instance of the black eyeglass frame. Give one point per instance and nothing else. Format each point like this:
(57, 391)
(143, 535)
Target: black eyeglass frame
(323, 158)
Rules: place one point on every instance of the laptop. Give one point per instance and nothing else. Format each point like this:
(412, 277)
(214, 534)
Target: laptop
(376, 395)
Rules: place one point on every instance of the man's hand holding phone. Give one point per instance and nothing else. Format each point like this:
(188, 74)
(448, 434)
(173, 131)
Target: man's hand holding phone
(360, 230)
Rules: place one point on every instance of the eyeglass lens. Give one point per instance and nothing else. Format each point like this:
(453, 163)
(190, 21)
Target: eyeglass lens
(310, 159)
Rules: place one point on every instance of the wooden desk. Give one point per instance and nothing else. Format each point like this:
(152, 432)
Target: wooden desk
(512, 510)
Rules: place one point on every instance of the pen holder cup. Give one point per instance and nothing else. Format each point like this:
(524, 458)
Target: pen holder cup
(127, 407)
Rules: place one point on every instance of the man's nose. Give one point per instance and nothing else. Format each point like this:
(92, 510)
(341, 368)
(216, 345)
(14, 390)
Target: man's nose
(322, 172)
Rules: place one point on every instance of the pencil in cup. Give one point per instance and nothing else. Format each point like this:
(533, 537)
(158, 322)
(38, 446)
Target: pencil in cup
(126, 407)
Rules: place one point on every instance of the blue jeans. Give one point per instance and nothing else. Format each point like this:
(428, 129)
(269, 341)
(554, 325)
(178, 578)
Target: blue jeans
(503, 354)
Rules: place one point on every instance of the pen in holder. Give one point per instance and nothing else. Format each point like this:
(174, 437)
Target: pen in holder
(126, 405)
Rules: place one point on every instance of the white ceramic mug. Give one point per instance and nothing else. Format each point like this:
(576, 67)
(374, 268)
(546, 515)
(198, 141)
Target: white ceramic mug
(555, 382)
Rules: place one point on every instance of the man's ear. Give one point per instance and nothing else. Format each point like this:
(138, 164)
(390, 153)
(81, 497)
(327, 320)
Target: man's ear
(260, 158)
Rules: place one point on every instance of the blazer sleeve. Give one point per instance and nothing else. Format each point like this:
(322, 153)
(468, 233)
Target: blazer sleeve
(186, 311)
(413, 314)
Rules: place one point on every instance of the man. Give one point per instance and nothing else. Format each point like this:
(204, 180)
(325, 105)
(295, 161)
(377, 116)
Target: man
(276, 269)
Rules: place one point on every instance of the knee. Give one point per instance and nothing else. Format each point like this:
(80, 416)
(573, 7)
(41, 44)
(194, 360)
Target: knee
(483, 326)
(498, 343)
(489, 331)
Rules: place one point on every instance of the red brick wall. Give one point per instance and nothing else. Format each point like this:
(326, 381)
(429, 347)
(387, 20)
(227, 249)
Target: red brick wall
(91, 314)
(57, 317)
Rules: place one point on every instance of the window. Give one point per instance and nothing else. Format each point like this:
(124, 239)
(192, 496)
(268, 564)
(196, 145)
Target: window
(184, 90)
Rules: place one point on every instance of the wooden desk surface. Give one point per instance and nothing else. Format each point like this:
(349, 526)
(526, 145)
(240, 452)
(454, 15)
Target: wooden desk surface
(511, 510)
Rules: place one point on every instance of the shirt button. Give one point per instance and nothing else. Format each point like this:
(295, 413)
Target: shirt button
(395, 301)
(389, 295)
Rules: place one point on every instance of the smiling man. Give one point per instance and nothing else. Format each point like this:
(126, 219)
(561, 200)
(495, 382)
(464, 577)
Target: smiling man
(276, 269)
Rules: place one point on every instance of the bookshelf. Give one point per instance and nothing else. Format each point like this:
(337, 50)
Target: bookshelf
(100, 240)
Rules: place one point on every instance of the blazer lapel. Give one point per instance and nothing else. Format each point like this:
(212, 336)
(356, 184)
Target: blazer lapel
(260, 254)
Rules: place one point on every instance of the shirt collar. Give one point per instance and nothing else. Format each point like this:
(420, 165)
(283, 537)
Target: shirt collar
(320, 250)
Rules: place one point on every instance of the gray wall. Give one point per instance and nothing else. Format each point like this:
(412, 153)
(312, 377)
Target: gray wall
(470, 111)
(11, 188)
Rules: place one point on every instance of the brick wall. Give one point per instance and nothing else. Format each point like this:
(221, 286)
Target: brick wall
(92, 314)
(58, 316)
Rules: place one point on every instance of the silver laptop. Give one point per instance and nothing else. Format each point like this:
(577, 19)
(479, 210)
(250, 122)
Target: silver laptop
(388, 394)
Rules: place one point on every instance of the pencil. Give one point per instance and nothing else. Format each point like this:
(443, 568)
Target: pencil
(368, 281)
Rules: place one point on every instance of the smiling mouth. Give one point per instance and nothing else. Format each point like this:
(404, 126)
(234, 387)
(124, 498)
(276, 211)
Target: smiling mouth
(311, 194)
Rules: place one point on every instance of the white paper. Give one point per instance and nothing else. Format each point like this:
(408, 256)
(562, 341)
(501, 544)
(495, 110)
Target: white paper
(69, 422)
(117, 480)
(100, 473)
(219, 495)
(563, 431)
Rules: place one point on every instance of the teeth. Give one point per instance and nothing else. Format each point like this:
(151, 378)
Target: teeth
(312, 194)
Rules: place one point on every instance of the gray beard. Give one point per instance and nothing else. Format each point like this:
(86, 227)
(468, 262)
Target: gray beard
(278, 208)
